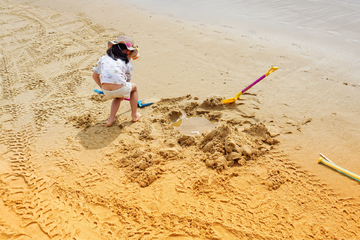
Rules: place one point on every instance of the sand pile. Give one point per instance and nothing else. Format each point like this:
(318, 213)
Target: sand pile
(65, 175)
(158, 142)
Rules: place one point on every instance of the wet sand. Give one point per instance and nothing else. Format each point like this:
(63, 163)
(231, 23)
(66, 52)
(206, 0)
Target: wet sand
(65, 175)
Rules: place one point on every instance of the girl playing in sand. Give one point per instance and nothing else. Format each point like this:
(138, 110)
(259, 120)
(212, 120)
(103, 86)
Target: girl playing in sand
(113, 74)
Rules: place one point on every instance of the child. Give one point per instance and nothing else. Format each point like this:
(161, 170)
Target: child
(113, 74)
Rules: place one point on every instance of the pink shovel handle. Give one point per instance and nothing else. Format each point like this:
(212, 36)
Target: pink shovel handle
(248, 87)
(271, 70)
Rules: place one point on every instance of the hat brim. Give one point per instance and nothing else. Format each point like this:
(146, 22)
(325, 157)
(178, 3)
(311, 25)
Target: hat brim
(135, 54)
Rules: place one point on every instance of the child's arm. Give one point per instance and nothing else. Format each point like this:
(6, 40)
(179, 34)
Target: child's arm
(129, 72)
(96, 78)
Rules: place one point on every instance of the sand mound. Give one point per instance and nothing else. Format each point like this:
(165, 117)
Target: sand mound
(83, 121)
(98, 98)
(159, 143)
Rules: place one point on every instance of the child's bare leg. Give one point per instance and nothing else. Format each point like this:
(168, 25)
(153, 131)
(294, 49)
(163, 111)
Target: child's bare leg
(114, 108)
(133, 103)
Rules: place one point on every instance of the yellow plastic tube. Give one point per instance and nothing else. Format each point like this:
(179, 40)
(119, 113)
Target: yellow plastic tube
(339, 169)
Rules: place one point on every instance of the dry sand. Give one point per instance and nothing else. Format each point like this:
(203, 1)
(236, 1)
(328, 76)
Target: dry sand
(65, 175)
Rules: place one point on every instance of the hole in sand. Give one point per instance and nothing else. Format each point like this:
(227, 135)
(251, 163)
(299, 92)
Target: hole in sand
(194, 125)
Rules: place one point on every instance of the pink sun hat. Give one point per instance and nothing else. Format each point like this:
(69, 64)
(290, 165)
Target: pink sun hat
(129, 43)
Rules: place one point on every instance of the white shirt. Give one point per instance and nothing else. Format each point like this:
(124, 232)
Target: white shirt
(111, 71)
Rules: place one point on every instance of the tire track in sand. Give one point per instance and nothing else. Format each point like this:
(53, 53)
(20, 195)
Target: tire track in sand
(23, 190)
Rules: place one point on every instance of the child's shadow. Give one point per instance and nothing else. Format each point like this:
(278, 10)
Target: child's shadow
(99, 135)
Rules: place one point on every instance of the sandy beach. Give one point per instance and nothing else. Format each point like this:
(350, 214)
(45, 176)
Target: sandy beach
(191, 167)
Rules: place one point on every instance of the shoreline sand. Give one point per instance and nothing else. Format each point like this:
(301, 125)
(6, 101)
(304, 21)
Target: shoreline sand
(330, 25)
(65, 175)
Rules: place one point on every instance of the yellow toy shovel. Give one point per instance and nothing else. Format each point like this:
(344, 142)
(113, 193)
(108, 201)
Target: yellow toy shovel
(231, 100)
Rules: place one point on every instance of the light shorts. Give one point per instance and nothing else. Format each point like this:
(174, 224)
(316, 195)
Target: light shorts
(119, 93)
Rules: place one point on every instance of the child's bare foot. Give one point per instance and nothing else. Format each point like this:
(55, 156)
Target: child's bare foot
(110, 122)
(138, 115)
